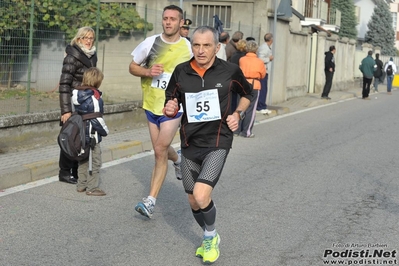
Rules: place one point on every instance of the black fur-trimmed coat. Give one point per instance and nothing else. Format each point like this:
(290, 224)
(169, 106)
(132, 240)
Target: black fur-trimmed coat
(74, 65)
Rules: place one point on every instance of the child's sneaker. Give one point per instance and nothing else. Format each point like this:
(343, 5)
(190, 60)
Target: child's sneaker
(145, 207)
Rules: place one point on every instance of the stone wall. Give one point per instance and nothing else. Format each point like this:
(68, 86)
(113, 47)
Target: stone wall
(28, 131)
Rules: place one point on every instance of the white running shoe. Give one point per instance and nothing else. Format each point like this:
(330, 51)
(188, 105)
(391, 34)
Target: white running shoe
(145, 207)
(177, 167)
(265, 112)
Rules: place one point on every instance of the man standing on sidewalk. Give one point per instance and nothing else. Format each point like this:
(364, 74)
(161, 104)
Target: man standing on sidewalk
(390, 69)
(329, 69)
(185, 29)
(378, 73)
(154, 60)
(224, 38)
(231, 45)
(367, 68)
(264, 53)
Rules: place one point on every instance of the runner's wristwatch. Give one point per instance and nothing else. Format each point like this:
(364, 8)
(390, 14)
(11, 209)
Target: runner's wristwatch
(241, 114)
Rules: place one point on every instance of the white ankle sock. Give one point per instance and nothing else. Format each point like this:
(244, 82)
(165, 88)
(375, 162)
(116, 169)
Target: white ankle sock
(210, 233)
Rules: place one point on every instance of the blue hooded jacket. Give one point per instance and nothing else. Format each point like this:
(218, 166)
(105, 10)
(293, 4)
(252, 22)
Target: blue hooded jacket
(87, 100)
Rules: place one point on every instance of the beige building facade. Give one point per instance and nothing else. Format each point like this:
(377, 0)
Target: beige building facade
(394, 8)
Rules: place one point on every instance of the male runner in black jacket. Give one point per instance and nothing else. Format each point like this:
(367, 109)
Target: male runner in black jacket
(204, 86)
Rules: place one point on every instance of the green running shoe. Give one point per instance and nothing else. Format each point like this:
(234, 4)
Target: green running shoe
(211, 249)
(199, 253)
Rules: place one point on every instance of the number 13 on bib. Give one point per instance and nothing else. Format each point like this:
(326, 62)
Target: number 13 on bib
(161, 81)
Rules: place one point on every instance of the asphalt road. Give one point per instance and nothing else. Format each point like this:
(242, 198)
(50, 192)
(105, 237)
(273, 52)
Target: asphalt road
(312, 187)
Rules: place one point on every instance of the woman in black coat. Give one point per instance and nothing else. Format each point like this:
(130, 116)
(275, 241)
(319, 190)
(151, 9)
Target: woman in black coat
(80, 55)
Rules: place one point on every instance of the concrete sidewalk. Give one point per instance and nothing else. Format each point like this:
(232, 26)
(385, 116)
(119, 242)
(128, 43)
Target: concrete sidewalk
(17, 168)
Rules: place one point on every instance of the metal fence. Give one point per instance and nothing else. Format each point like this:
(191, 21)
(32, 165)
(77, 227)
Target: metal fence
(32, 45)
(32, 42)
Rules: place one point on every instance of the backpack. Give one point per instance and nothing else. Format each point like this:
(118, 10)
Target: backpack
(389, 70)
(378, 69)
(72, 137)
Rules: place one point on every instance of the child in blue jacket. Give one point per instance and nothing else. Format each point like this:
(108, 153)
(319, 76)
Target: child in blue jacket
(87, 100)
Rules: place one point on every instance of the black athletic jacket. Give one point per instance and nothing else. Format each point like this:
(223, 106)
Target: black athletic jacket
(223, 76)
(329, 61)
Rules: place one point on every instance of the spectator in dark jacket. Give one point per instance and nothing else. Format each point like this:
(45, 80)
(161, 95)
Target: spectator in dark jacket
(80, 55)
(367, 68)
(329, 69)
(231, 46)
(87, 100)
(241, 47)
(378, 72)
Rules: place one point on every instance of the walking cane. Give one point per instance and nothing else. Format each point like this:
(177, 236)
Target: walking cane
(92, 144)
(90, 162)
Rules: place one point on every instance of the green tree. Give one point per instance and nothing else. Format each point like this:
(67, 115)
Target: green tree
(72, 14)
(380, 31)
(348, 18)
(68, 16)
(59, 16)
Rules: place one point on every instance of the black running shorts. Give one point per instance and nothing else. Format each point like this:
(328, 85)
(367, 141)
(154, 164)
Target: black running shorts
(203, 165)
